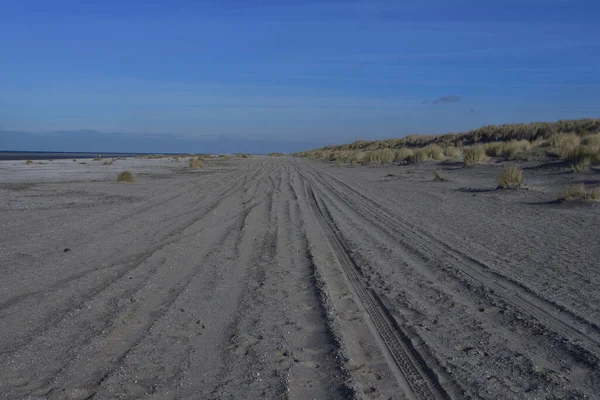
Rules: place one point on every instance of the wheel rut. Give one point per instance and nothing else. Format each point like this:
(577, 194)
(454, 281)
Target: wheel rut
(551, 315)
(422, 382)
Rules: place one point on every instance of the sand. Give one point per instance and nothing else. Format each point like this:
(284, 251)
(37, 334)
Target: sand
(285, 278)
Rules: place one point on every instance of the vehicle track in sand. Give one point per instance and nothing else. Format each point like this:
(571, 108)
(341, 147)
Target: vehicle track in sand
(564, 322)
(418, 378)
(262, 278)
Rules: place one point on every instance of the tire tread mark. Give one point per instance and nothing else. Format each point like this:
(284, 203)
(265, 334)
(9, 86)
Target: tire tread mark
(422, 380)
(553, 316)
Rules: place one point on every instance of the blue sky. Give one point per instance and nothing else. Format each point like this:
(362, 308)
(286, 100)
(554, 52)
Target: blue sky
(305, 73)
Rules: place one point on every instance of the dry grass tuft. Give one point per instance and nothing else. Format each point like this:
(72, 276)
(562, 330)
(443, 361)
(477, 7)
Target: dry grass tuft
(357, 158)
(512, 177)
(403, 154)
(475, 154)
(419, 155)
(276, 154)
(108, 162)
(578, 192)
(97, 159)
(196, 163)
(126, 176)
(564, 144)
(453, 152)
(28, 162)
(434, 152)
(382, 156)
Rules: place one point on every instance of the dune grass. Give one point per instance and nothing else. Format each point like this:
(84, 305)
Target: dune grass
(108, 162)
(512, 177)
(275, 154)
(475, 154)
(28, 162)
(126, 176)
(403, 154)
(453, 152)
(578, 192)
(196, 163)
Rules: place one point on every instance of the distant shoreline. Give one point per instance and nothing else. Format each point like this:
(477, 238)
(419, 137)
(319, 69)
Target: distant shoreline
(53, 155)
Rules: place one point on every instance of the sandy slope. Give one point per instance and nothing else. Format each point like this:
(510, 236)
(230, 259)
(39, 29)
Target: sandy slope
(280, 277)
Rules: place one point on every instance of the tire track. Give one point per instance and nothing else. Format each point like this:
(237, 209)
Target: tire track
(131, 328)
(549, 314)
(422, 381)
(133, 260)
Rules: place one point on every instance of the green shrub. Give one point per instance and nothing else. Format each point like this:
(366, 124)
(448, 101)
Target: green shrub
(28, 162)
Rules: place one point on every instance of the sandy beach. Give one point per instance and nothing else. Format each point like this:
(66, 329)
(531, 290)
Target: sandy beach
(280, 277)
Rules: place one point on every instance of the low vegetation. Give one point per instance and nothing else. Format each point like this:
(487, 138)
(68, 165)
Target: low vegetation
(108, 162)
(278, 155)
(578, 192)
(28, 162)
(196, 163)
(126, 176)
(512, 177)
(475, 154)
(575, 142)
(97, 159)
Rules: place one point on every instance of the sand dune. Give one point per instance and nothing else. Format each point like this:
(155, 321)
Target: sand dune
(277, 277)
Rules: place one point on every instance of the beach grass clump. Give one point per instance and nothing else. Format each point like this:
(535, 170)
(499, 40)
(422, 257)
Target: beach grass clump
(403, 154)
(564, 144)
(510, 148)
(419, 155)
(357, 157)
(452, 152)
(381, 156)
(97, 158)
(475, 154)
(74, 160)
(108, 162)
(386, 156)
(434, 152)
(583, 156)
(512, 178)
(28, 162)
(126, 176)
(578, 192)
(196, 163)
(276, 154)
